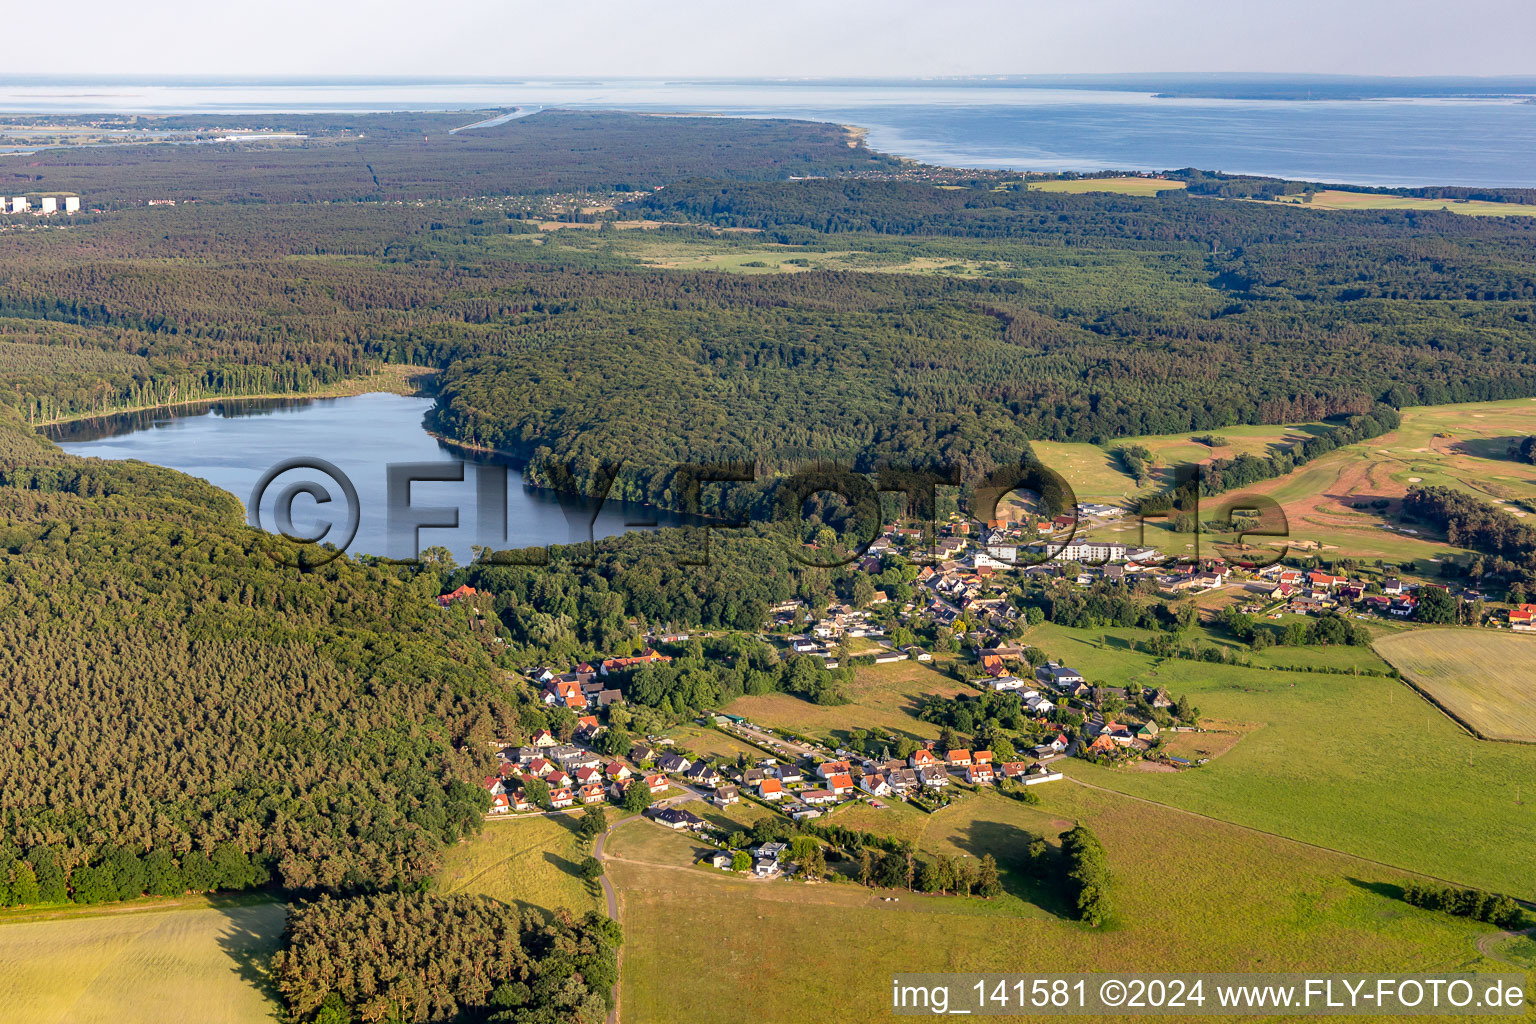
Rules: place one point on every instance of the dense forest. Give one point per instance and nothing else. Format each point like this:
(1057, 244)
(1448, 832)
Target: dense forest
(176, 695)
(415, 958)
(419, 156)
(1469, 522)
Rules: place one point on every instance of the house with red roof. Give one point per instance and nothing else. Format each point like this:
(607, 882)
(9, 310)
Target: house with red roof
(500, 804)
(591, 794)
(958, 758)
(840, 784)
(979, 774)
(562, 797)
(770, 789)
(444, 600)
(924, 758)
(827, 769)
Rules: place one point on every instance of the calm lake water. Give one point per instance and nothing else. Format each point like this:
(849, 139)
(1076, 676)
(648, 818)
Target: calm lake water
(233, 444)
(1019, 126)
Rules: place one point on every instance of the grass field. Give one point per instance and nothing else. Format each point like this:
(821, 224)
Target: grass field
(1261, 904)
(1486, 679)
(526, 861)
(198, 961)
(1128, 186)
(884, 696)
(711, 742)
(1360, 764)
(1342, 199)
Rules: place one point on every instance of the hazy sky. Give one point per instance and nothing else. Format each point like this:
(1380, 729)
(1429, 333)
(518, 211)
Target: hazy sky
(775, 37)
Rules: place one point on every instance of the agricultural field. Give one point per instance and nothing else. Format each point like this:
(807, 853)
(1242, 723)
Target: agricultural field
(1128, 185)
(1486, 679)
(527, 861)
(1356, 763)
(1343, 199)
(198, 960)
(1273, 903)
(883, 697)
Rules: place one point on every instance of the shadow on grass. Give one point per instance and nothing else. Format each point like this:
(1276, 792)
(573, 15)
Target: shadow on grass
(1387, 889)
(1493, 448)
(1009, 846)
(252, 933)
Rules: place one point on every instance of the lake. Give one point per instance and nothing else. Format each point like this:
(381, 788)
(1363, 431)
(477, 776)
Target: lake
(233, 444)
(1439, 139)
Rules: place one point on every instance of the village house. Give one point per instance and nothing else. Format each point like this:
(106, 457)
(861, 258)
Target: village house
(827, 769)
(1059, 676)
(560, 798)
(545, 738)
(1103, 744)
(557, 778)
(617, 770)
(770, 789)
(1039, 773)
(672, 764)
(1014, 769)
(455, 595)
(703, 775)
(979, 774)
(591, 794)
(817, 796)
(958, 759)
(674, 819)
(924, 758)
(875, 785)
(934, 777)
(840, 784)
(500, 804)
(725, 796)
(656, 783)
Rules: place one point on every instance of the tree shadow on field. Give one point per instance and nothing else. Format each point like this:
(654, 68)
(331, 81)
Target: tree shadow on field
(1493, 448)
(250, 935)
(1387, 889)
(1009, 846)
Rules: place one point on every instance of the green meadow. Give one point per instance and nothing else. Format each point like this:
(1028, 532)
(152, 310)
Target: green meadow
(1190, 894)
(1355, 763)
(528, 861)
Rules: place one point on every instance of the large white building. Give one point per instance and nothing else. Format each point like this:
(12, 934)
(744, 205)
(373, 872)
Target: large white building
(19, 204)
(71, 204)
(50, 204)
(1091, 551)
